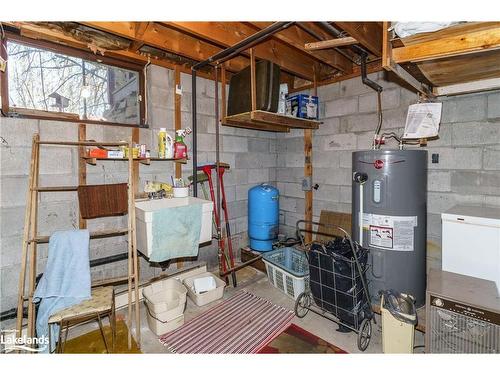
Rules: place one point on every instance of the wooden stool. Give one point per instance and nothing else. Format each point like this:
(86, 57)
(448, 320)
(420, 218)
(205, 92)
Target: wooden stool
(100, 305)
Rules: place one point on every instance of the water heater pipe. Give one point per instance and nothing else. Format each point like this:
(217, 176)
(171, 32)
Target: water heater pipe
(360, 214)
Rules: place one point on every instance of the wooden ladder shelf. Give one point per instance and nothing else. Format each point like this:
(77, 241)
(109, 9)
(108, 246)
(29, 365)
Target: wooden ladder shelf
(31, 239)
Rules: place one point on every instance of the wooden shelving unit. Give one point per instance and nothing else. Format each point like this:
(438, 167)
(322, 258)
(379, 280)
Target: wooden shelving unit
(261, 120)
(31, 237)
(268, 121)
(146, 161)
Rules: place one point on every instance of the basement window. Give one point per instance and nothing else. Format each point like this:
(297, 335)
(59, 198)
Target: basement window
(46, 80)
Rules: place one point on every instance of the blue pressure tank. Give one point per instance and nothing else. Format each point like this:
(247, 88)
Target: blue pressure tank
(263, 216)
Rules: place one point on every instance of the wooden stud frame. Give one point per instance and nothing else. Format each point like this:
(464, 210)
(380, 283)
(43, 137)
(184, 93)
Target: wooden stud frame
(389, 64)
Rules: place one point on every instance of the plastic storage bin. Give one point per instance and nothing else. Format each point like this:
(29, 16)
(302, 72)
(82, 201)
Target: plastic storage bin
(297, 106)
(144, 219)
(207, 297)
(165, 303)
(287, 270)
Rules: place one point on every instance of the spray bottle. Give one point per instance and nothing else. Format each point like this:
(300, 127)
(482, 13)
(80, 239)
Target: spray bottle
(180, 148)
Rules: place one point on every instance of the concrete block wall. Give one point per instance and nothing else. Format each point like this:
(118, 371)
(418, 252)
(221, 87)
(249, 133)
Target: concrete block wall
(468, 171)
(252, 156)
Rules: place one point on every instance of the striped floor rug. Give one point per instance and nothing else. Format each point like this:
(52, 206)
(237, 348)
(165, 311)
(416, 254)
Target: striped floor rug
(243, 324)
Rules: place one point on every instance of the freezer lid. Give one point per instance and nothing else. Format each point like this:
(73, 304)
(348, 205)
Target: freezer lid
(481, 215)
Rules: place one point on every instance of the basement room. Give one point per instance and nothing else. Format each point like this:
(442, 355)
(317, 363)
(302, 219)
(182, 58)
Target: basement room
(318, 182)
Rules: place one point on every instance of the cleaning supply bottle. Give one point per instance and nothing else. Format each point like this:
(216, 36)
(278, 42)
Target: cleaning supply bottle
(162, 136)
(180, 148)
(169, 146)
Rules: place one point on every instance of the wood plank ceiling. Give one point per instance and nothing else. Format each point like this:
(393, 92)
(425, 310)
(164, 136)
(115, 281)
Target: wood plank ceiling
(185, 43)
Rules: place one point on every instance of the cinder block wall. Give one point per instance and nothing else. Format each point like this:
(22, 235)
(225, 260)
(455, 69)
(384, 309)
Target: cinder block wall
(468, 171)
(251, 155)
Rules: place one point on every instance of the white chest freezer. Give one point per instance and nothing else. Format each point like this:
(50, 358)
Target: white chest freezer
(144, 219)
(471, 242)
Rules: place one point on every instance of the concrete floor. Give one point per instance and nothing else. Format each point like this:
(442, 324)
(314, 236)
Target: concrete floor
(256, 282)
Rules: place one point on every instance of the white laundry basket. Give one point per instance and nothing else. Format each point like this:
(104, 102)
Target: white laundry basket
(201, 299)
(165, 302)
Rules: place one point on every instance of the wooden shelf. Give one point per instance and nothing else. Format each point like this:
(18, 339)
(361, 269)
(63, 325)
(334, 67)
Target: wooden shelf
(146, 161)
(458, 59)
(93, 235)
(268, 121)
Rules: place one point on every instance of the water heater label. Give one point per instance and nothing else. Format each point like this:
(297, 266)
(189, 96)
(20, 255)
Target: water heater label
(391, 232)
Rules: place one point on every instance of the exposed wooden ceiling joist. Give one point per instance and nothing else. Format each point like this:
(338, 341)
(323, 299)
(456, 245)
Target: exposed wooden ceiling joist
(368, 34)
(35, 31)
(170, 40)
(449, 44)
(230, 33)
(297, 38)
(331, 43)
(140, 29)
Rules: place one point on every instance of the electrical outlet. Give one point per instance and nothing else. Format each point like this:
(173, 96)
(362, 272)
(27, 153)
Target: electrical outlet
(307, 183)
(435, 158)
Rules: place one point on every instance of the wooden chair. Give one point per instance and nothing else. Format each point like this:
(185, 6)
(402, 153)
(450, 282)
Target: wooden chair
(100, 305)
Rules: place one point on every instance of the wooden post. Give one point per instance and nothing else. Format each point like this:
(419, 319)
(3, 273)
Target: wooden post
(130, 242)
(223, 93)
(253, 84)
(177, 113)
(26, 237)
(82, 166)
(177, 126)
(33, 244)
(135, 163)
(308, 171)
(386, 46)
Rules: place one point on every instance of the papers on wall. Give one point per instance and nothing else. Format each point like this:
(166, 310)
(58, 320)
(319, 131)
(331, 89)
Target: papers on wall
(422, 120)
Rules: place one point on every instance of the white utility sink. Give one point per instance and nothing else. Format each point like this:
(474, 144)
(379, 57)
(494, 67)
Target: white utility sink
(144, 219)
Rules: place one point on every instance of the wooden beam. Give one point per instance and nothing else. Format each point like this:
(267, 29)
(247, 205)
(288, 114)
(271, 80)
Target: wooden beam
(223, 93)
(391, 66)
(468, 87)
(253, 83)
(386, 45)
(230, 33)
(82, 167)
(296, 37)
(32, 31)
(331, 43)
(368, 34)
(474, 41)
(165, 38)
(140, 29)
(177, 113)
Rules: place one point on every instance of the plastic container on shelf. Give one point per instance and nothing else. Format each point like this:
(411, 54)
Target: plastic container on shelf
(181, 192)
(165, 302)
(287, 270)
(201, 299)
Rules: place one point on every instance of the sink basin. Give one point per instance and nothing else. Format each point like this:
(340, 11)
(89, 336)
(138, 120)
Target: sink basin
(144, 219)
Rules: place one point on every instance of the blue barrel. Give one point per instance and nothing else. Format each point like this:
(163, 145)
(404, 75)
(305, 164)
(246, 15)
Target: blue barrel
(263, 216)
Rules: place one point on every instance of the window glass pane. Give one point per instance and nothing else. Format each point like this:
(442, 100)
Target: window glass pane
(43, 80)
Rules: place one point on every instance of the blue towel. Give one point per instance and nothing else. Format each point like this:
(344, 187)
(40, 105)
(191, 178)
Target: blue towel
(66, 279)
(176, 232)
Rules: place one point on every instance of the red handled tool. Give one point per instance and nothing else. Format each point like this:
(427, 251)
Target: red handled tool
(207, 169)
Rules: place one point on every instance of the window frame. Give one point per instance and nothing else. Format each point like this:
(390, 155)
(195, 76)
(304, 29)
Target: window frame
(7, 111)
